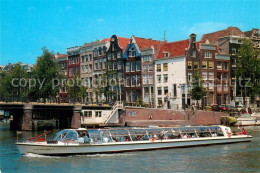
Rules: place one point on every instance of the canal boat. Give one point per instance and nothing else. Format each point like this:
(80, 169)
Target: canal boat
(248, 119)
(93, 141)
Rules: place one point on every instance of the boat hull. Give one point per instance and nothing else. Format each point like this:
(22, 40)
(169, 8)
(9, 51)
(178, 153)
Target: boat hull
(55, 149)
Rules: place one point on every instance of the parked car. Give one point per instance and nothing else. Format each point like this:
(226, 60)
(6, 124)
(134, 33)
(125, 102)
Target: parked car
(215, 108)
(223, 108)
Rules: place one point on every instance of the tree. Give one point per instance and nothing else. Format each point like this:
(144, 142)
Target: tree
(13, 85)
(248, 69)
(75, 88)
(197, 92)
(47, 75)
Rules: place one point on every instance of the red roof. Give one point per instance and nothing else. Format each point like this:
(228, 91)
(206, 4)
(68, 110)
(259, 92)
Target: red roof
(123, 42)
(59, 55)
(212, 37)
(144, 43)
(174, 48)
(105, 40)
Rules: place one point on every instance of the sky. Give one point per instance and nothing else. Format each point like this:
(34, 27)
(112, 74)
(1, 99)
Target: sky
(28, 25)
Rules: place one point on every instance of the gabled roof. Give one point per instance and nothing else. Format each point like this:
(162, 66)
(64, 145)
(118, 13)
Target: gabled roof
(144, 43)
(214, 36)
(173, 48)
(59, 55)
(123, 42)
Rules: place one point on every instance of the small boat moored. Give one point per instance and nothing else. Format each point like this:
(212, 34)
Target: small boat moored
(93, 141)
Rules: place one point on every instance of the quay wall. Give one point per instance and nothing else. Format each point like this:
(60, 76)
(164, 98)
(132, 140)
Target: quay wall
(163, 117)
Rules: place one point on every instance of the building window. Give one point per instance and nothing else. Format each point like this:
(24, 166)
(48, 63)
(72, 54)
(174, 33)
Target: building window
(211, 75)
(159, 90)
(219, 65)
(225, 66)
(159, 68)
(211, 65)
(159, 78)
(189, 77)
(144, 79)
(99, 51)
(138, 65)
(147, 59)
(82, 68)
(95, 52)
(104, 63)
(225, 99)
(219, 76)
(104, 50)
(127, 66)
(100, 63)
(127, 81)
(211, 86)
(225, 87)
(193, 53)
(115, 65)
(96, 64)
(166, 54)
(132, 66)
(109, 56)
(132, 52)
(90, 68)
(207, 55)
(195, 65)
(219, 87)
(234, 50)
(150, 67)
(133, 96)
(165, 78)
(159, 101)
(165, 90)
(165, 67)
(90, 57)
(82, 58)
(88, 114)
(118, 54)
(119, 66)
(150, 79)
(189, 65)
(138, 80)
(225, 76)
(145, 68)
(97, 113)
(86, 57)
(174, 90)
(204, 64)
(133, 80)
(204, 75)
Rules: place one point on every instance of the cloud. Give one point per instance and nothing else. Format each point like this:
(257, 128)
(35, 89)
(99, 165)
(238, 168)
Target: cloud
(207, 27)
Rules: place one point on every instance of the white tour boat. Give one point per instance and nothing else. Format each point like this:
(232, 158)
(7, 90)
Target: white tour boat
(89, 141)
(248, 119)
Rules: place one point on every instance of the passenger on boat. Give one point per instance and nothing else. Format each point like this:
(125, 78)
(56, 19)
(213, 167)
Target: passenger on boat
(81, 139)
(243, 131)
(184, 136)
(238, 130)
(86, 139)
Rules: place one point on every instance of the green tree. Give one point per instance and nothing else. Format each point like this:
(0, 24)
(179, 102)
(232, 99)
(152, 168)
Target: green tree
(75, 88)
(13, 85)
(248, 69)
(197, 92)
(47, 75)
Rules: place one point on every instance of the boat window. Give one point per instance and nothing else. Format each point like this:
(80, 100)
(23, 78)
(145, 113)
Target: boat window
(60, 135)
(72, 136)
(203, 131)
(120, 135)
(106, 136)
(138, 134)
(95, 136)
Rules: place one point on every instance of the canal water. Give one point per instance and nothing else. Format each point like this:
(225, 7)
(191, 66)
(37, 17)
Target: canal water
(239, 157)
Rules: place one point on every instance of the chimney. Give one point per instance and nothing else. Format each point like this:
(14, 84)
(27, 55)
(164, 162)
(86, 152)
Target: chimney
(193, 38)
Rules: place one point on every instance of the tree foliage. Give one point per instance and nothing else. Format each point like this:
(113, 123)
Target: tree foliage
(197, 92)
(45, 72)
(248, 69)
(13, 85)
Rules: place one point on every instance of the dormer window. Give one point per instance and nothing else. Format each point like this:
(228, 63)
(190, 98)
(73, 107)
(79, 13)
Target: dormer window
(193, 53)
(166, 54)
(132, 52)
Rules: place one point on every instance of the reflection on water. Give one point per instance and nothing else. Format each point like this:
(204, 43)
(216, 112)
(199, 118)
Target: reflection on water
(239, 157)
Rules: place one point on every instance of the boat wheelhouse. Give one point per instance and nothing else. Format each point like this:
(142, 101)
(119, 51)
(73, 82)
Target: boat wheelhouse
(92, 141)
